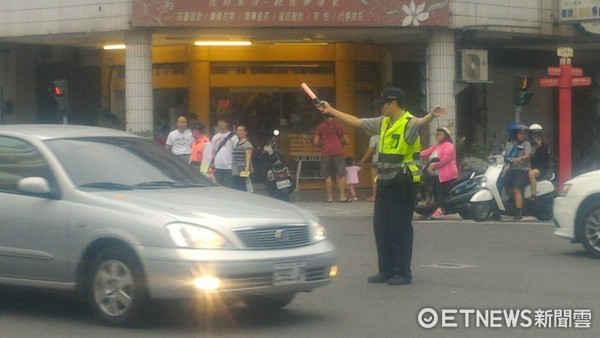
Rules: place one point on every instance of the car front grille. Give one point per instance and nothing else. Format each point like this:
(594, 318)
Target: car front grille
(265, 280)
(274, 237)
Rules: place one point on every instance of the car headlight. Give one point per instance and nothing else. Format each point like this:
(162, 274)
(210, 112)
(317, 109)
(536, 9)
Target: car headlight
(318, 231)
(197, 237)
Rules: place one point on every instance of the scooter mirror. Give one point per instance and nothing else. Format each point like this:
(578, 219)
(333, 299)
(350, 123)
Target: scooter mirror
(268, 149)
(276, 132)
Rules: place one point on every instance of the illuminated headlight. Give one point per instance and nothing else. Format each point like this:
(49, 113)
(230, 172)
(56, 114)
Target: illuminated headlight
(483, 182)
(207, 283)
(318, 231)
(194, 236)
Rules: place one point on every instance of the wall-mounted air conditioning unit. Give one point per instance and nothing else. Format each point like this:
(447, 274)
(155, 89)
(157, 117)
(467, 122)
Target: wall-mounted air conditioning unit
(473, 65)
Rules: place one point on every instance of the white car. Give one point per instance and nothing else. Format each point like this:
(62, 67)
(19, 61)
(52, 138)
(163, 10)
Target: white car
(120, 220)
(577, 211)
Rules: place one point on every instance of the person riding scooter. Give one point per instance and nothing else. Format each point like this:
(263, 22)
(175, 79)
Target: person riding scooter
(518, 154)
(443, 171)
(540, 161)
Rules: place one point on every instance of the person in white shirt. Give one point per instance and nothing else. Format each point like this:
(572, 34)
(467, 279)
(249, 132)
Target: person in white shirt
(222, 145)
(180, 140)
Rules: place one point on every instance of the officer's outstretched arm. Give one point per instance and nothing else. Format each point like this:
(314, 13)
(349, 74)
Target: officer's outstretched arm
(326, 108)
(435, 112)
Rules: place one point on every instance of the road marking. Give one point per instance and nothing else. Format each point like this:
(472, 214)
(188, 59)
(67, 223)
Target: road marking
(450, 266)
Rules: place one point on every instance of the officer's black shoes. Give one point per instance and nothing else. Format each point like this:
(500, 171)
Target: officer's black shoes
(378, 278)
(401, 279)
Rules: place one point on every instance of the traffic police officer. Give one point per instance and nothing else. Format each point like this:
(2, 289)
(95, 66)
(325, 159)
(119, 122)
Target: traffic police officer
(399, 147)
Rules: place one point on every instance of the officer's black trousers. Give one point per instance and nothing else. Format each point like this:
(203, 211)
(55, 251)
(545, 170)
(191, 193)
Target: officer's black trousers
(394, 207)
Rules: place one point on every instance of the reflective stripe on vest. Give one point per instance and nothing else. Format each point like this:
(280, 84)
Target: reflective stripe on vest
(394, 152)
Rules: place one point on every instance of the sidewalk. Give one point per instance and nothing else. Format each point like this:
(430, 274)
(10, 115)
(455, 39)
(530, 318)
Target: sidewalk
(313, 200)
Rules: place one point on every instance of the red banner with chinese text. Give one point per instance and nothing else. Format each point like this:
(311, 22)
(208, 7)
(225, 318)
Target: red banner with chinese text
(290, 13)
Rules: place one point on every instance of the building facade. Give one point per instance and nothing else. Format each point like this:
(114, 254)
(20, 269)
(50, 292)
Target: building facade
(464, 54)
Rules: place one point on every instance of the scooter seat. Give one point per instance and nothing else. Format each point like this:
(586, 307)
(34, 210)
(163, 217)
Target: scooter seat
(463, 177)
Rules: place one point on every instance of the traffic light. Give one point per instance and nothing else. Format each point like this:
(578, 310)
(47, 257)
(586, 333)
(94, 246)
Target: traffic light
(60, 91)
(522, 96)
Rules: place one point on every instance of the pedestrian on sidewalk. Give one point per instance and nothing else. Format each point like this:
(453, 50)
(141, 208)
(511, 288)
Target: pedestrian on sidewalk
(331, 137)
(222, 147)
(399, 147)
(352, 178)
(179, 141)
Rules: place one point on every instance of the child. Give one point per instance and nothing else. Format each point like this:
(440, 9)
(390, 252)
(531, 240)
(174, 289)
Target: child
(352, 178)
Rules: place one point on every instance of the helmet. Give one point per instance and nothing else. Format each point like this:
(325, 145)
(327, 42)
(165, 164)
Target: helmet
(445, 131)
(535, 128)
(515, 128)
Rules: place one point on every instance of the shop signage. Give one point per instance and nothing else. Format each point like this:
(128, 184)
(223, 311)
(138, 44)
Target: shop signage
(290, 13)
(579, 10)
(568, 77)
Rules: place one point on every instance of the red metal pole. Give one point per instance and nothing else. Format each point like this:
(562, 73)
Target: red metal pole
(564, 121)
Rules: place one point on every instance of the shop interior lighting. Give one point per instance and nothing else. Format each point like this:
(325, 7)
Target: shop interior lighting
(114, 47)
(222, 43)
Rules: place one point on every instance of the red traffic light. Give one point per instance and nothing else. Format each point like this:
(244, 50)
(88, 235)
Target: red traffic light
(59, 87)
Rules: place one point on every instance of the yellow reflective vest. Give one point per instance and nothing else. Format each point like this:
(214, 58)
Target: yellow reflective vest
(395, 153)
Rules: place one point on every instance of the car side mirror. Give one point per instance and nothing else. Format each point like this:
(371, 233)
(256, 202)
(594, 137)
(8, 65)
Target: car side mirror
(34, 186)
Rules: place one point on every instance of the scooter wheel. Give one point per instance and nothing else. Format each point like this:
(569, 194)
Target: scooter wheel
(481, 211)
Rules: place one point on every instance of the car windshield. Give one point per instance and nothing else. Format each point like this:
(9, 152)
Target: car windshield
(112, 163)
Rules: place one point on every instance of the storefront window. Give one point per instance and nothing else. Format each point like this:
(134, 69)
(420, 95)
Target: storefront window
(266, 109)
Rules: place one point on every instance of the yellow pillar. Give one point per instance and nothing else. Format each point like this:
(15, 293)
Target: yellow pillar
(345, 89)
(199, 89)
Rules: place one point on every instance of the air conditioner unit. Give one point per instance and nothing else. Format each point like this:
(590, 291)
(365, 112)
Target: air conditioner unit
(474, 65)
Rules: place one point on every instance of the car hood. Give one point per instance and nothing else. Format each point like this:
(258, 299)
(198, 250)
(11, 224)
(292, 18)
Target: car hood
(592, 174)
(214, 204)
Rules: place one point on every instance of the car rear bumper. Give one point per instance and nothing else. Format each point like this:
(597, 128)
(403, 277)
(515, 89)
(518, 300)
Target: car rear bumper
(171, 273)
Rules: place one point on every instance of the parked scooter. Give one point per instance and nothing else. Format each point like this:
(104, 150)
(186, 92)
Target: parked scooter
(494, 199)
(279, 183)
(456, 199)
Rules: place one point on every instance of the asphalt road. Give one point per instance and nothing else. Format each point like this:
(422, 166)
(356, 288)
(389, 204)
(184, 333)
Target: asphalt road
(457, 265)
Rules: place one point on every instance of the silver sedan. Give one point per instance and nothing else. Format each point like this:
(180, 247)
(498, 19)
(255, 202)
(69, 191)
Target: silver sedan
(121, 221)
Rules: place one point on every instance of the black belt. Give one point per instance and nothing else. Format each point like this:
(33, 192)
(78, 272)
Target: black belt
(391, 158)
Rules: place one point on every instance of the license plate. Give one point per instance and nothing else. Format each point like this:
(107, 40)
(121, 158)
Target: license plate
(289, 273)
(283, 184)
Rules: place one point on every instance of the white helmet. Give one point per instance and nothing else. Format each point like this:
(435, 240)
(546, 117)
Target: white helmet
(535, 128)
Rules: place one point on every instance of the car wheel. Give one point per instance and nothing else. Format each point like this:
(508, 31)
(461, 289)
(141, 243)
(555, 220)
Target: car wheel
(270, 302)
(480, 211)
(589, 227)
(116, 287)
